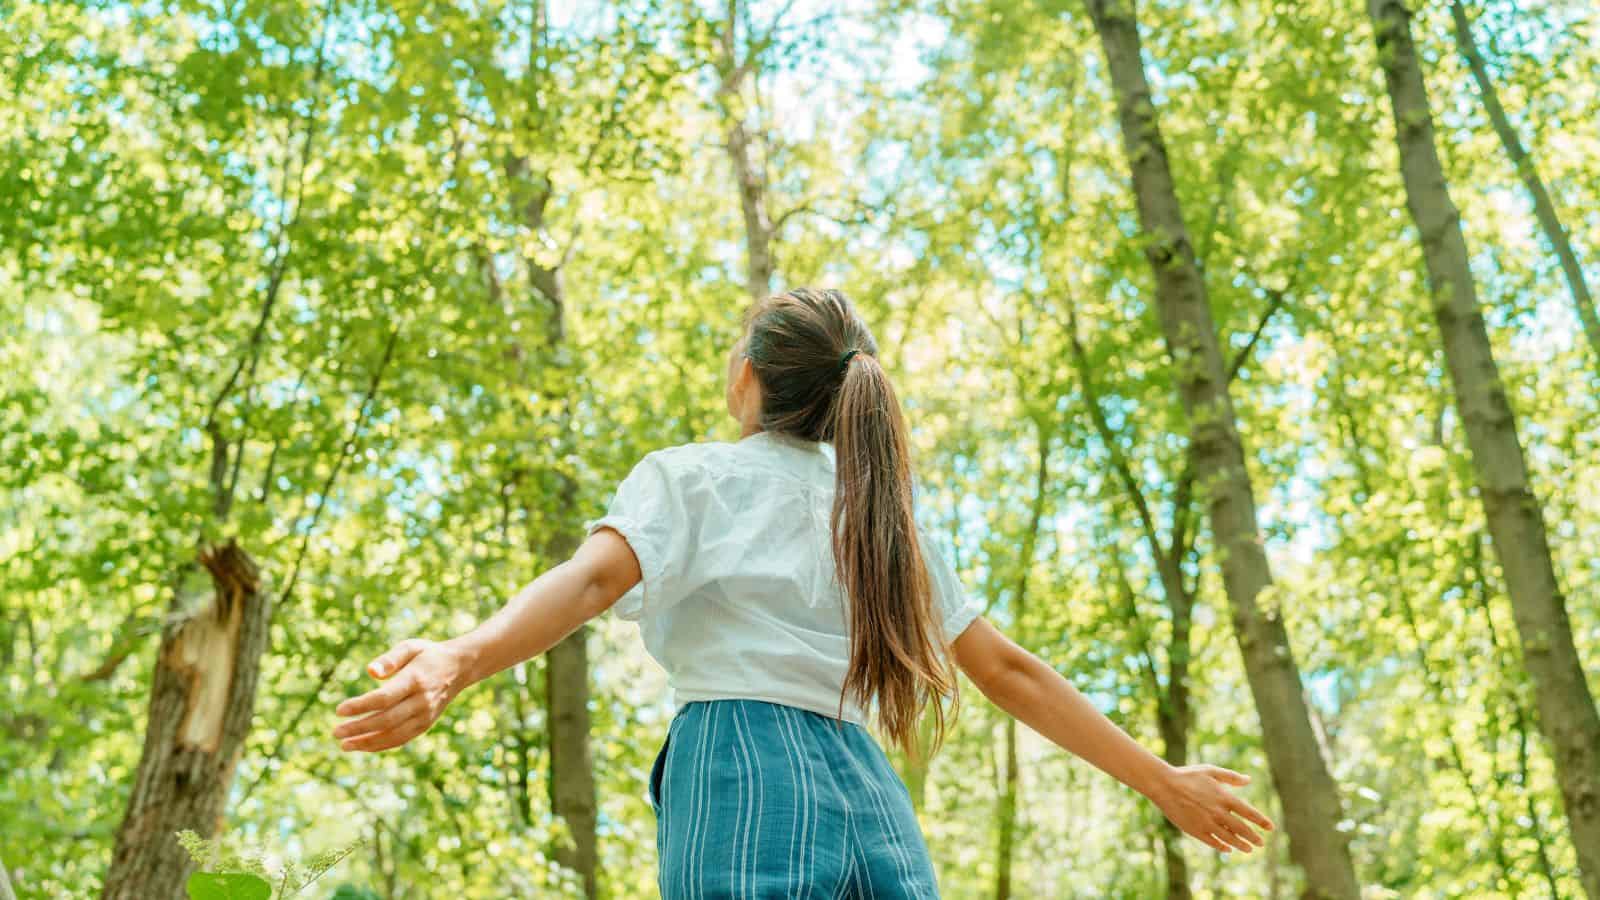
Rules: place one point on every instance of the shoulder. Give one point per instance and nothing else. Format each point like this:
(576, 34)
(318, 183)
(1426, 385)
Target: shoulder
(694, 464)
(690, 457)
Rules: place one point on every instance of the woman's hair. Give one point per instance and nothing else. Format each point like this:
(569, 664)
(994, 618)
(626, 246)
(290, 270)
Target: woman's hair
(815, 388)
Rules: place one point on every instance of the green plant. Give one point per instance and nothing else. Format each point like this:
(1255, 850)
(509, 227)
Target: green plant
(240, 872)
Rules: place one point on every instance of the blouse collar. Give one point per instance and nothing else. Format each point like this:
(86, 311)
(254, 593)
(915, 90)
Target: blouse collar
(782, 439)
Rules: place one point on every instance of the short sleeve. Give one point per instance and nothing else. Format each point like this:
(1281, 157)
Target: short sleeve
(652, 513)
(957, 609)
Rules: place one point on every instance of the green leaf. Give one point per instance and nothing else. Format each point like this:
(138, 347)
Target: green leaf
(228, 886)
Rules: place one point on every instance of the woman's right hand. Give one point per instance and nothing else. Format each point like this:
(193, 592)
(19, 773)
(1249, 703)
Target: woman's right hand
(422, 677)
(1197, 800)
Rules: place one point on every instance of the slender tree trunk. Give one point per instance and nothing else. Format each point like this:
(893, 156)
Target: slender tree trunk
(572, 783)
(752, 202)
(201, 701)
(1174, 715)
(1312, 809)
(1543, 208)
(572, 787)
(1006, 813)
(1567, 715)
(748, 171)
(1174, 712)
(566, 683)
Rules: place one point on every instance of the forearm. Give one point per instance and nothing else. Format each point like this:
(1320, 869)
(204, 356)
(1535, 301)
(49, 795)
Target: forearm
(1041, 698)
(548, 609)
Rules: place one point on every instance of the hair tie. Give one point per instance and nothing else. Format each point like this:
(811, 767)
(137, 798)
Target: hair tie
(844, 361)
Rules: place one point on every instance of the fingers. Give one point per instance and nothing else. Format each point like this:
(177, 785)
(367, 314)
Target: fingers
(1250, 813)
(387, 740)
(1236, 833)
(1228, 776)
(411, 705)
(395, 659)
(1209, 840)
(380, 698)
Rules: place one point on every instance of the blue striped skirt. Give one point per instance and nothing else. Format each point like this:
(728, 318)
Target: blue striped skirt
(761, 800)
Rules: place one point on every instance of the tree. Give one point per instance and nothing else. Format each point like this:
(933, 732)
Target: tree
(1312, 808)
(1522, 161)
(1567, 715)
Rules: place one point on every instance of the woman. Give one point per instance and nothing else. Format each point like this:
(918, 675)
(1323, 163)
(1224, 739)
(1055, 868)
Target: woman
(791, 598)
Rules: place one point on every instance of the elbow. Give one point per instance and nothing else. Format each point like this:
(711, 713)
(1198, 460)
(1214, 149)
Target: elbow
(1012, 678)
(1001, 669)
(595, 587)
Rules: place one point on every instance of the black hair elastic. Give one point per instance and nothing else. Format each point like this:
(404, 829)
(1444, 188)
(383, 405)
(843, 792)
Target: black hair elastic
(844, 361)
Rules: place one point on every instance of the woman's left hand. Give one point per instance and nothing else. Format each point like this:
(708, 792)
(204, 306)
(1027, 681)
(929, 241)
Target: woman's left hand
(423, 677)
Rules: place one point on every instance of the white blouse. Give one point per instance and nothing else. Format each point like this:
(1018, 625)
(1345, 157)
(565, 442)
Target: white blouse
(738, 597)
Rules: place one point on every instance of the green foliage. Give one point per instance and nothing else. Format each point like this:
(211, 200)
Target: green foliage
(231, 870)
(232, 886)
(302, 239)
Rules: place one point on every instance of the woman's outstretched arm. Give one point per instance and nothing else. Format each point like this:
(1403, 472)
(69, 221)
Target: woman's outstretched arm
(422, 677)
(1193, 797)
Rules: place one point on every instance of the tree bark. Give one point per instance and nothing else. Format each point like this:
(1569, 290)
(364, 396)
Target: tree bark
(566, 684)
(201, 701)
(1174, 715)
(572, 783)
(1312, 809)
(1543, 208)
(572, 787)
(747, 170)
(1006, 812)
(1566, 710)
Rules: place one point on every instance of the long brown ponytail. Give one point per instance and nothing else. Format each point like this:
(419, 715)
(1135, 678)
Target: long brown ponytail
(814, 387)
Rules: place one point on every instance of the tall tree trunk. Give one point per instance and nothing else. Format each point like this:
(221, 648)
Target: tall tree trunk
(566, 685)
(572, 784)
(201, 701)
(572, 787)
(1543, 209)
(1174, 715)
(1174, 711)
(748, 171)
(203, 691)
(1312, 809)
(1006, 812)
(566, 671)
(1567, 715)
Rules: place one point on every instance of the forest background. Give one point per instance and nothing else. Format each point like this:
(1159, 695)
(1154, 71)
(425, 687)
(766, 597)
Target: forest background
(1249, 348)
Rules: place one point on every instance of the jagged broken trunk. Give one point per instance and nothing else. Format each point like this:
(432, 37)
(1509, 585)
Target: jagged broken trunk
(201, 701)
